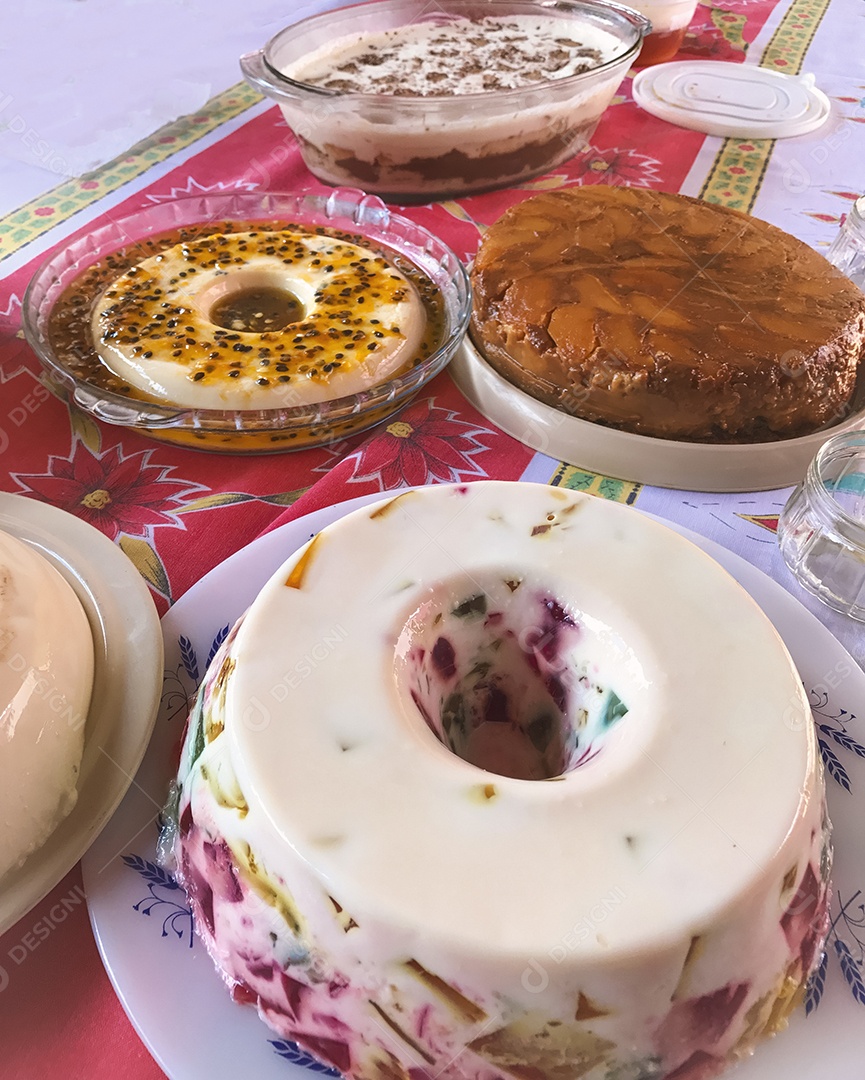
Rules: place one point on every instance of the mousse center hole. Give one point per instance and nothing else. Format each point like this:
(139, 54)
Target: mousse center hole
(509, 679)
(257, 309)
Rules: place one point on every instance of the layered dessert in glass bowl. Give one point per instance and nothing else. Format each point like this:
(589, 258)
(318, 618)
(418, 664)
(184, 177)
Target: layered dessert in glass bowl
(417, 102)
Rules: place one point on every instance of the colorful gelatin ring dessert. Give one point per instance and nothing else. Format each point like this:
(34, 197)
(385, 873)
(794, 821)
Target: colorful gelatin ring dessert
(537, 797)
(258, 320)
(46, 679)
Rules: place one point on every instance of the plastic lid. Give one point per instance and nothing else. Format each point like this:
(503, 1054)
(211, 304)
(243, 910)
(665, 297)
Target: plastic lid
(740, 100)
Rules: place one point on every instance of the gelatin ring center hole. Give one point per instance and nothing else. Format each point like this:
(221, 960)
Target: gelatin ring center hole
(257, 309)
(508, 678)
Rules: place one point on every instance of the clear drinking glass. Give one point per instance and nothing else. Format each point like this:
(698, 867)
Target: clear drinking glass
(848, 250)
(822, 528)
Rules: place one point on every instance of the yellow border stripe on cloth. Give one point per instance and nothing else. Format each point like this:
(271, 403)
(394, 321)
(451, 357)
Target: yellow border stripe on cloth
(739, 167)
(792, 39)
(606, 487)
(39, 215)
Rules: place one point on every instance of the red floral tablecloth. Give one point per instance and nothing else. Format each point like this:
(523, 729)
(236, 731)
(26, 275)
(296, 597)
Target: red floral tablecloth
(177, 513)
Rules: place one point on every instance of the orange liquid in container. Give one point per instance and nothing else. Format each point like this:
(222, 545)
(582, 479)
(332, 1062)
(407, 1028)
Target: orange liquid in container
(660, 47)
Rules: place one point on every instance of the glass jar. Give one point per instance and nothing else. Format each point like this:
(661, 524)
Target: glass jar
(848, 249)
(670, 19)
(821, 530)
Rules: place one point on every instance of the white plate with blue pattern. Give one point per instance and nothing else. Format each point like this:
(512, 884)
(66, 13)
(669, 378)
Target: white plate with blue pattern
(166, 980)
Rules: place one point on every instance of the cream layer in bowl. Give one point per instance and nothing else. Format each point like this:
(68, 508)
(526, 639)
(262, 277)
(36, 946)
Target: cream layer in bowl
(341, 142)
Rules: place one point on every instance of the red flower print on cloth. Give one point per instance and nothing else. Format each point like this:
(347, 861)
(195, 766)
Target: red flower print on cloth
(192, 187)
(617, 168)
(14, 353)
(114, 493)
(708, 41)
(423, 445)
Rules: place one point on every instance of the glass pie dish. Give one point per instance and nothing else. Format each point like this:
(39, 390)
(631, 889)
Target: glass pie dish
(408, 145)
(75, 373)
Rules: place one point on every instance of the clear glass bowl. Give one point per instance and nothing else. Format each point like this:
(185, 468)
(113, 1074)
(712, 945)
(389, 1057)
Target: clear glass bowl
(261, 430)
(408, 148)
(821, 530)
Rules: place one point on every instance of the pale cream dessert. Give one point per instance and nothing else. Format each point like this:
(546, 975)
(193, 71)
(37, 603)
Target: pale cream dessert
(542, 801)
(260, 319)
(46, 679)
(409, 151)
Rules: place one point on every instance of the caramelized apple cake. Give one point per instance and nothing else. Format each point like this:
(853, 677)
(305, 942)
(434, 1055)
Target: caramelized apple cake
(666, 316)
